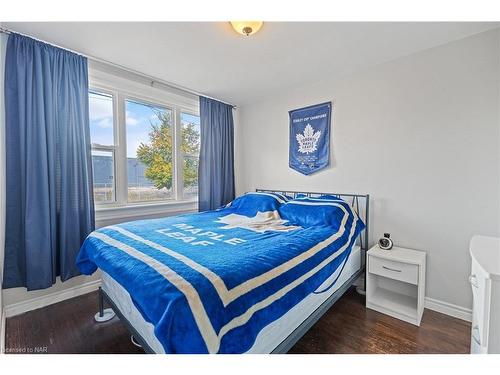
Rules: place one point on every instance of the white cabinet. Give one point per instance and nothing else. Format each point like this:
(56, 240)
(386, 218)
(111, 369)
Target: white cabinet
(485, 284)
(395, 282)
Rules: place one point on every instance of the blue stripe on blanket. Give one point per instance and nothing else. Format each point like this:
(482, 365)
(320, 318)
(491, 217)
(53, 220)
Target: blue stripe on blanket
(210, 282)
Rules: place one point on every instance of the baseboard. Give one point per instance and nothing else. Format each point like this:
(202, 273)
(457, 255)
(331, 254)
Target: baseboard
(49, 299)
(448, 309)
(2, 330)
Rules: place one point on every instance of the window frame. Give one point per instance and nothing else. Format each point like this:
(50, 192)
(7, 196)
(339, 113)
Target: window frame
(123, 87)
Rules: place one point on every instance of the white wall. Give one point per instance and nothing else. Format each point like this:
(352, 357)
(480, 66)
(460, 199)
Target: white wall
(419, 134)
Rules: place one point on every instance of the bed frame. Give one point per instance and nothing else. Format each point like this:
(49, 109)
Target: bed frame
(360, 204)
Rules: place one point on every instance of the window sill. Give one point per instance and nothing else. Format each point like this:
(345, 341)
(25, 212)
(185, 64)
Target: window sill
(131, 211)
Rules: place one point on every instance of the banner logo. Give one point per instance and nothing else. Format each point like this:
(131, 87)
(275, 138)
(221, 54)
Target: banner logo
(308, 142)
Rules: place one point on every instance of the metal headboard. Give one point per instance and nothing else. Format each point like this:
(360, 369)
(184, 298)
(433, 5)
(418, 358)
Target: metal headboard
(359, 202)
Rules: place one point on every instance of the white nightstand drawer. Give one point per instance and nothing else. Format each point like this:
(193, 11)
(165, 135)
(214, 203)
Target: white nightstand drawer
(393, 270)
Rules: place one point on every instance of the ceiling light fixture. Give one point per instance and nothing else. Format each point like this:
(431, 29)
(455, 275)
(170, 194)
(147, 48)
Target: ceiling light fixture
(246, 27)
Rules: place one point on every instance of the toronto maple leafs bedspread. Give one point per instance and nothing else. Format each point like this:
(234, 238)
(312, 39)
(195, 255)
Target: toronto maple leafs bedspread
(210, 282)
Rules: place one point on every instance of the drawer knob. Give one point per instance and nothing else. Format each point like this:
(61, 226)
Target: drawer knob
(473, 281)
(391, 269)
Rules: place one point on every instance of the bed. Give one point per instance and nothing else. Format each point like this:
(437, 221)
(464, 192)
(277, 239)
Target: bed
(251, 277)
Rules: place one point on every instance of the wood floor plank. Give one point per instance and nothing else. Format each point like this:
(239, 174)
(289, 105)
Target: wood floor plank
(67, 327)
(348, 327)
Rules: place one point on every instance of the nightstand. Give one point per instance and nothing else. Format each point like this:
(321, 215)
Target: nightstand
(395, 282)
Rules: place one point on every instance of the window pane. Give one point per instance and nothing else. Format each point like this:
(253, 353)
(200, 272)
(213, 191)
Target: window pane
(101, 118)
(149, 152)
(103, 171)
(190, 150)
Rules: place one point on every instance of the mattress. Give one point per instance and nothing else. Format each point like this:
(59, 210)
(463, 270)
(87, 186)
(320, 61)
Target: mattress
(269, 337)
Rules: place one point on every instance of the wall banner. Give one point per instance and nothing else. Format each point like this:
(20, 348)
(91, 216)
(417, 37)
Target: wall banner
(310, 138)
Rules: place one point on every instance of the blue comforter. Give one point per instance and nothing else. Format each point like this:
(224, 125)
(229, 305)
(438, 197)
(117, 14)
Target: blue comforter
(210, 282)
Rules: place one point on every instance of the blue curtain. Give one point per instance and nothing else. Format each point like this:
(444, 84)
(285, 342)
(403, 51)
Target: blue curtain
(216, 168)
(50, 208)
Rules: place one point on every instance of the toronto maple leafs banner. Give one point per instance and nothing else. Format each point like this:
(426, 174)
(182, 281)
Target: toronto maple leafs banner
(310, 138)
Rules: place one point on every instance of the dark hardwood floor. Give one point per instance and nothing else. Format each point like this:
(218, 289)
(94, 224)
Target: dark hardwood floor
(348, 327)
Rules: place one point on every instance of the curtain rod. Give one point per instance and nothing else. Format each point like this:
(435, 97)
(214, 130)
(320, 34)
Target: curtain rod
(118, 66)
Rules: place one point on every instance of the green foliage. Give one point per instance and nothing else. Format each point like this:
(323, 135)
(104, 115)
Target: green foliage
(157, 154)
(190, 148)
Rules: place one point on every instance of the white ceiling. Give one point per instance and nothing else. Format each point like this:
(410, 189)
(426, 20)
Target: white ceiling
(211, 58)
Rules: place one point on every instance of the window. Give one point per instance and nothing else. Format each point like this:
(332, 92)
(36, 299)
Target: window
(102, 138)
(144, 150)
(190, 149)
(150, 152)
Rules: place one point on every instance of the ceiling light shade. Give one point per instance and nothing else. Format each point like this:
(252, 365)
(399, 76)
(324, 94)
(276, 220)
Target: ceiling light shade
(246, 27)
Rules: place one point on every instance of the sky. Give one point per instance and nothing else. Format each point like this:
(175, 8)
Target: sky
(139, 118)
